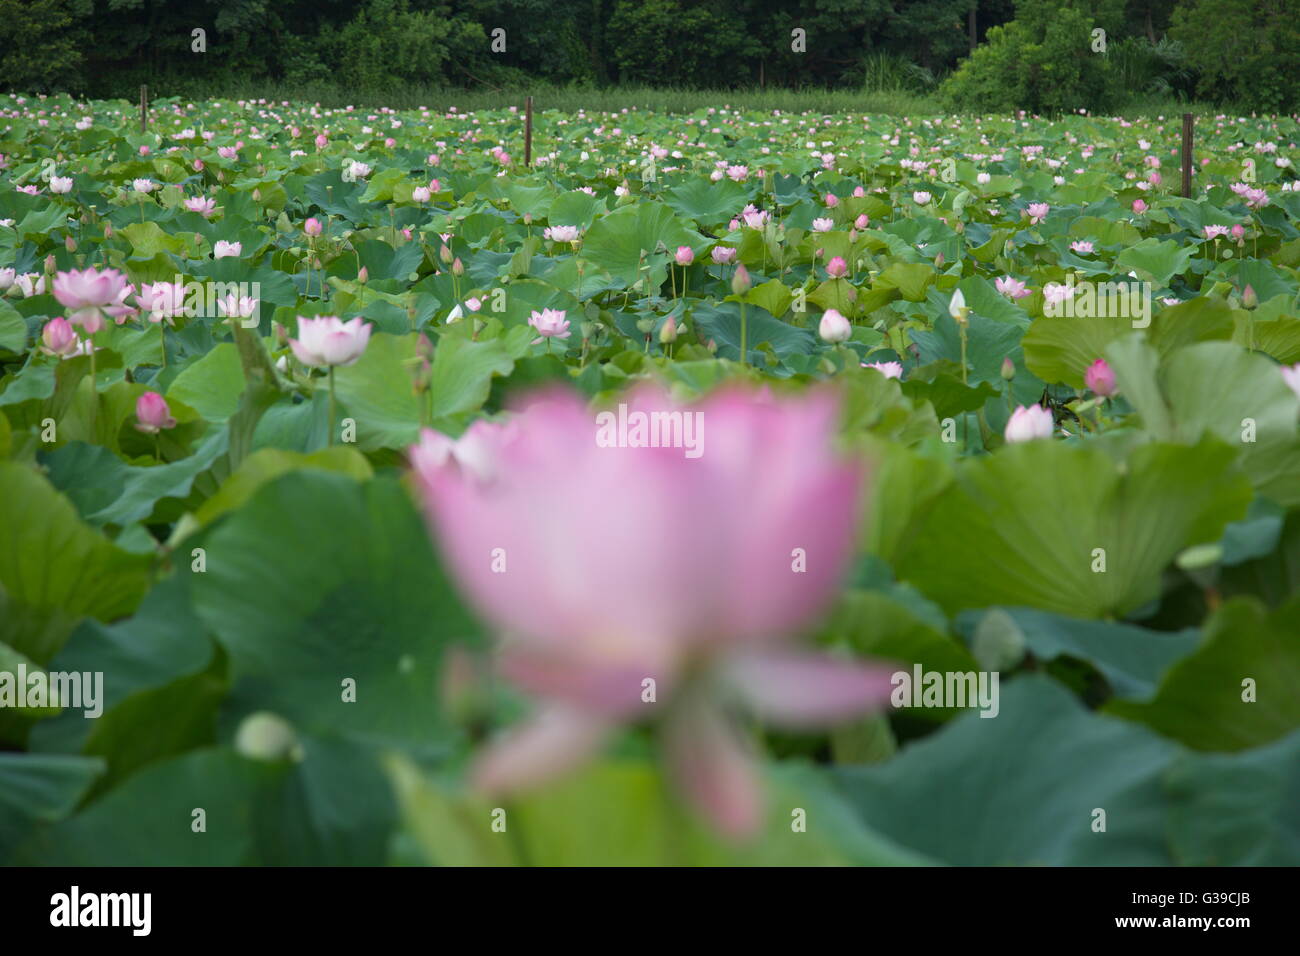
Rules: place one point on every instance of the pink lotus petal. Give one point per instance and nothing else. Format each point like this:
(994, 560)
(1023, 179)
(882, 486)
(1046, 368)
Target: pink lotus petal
(798, 689)
(555, 740)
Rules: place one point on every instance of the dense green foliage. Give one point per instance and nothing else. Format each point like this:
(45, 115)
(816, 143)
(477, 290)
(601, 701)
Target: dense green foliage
(1033, 54)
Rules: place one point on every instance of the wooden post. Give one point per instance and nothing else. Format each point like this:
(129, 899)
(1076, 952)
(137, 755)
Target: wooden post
(528, 132)
(1187, 155)
(144, 108)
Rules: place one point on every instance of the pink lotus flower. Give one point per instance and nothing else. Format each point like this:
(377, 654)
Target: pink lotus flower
(329, 341)
(7, 277)
(834, 327)
(59, 338)
(684, 256)
(832, 200)
(162, 300)
(1238, 232)
(1037, 212)
(823, 225)
(837, 268)
(223, 249)
(312, 226)
(921, 198)
(722, 255)
(238, 307)
(420, 194)
(60, 185)
(562, 233)
(1100, 378)
(549, 323)
(90, 293)
(1029, 423)
(153, 414)
(1011, 288)
(1082, 246)
(1139, 206)
(629, 562)
(862, 221)
(887, 369)
(205, 206)
(1215, 232)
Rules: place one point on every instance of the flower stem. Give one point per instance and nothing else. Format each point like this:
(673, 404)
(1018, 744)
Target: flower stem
(331, 407)
(744, 337)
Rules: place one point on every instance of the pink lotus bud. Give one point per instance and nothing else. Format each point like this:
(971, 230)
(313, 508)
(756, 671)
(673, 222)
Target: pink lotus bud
(312, 227)
(144, 150)
(1238, 232)
(1248, 297)
(832, 200)
(740, 282)
(364, 275)
(445, 254)
(108, 230)
(153, 414)
(685, 255)
(58, 337)
(859, 192)
(668, 333)
(322, 141)
(1139, 206)
(861, 222)
(834, 327)
(722, 255)
(837, 268)
(457, 267)
(1100, 378)
(70, 244)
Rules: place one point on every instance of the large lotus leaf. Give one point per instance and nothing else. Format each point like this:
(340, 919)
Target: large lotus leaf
(1064, 528)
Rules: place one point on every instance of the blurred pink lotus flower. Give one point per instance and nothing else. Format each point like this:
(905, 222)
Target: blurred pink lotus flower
(59, 338)
(562, 233)
(1082, 246)
(832, 200)
(837, 268)
(1139, 206)
(1029, 423)
(1011, 288)
(329, 341)
(887, 369)
(722, 255)
(862, 221)
(629, 562)
(153, 414)
(90, 293)
(420, 194)
(312, 226)
(684, 256)
(921, 198)
(223, 249)
(1100, 378)
(549, 323)
(1238, 232)
(823, 225)
(1214, 232)
(1037, 212)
